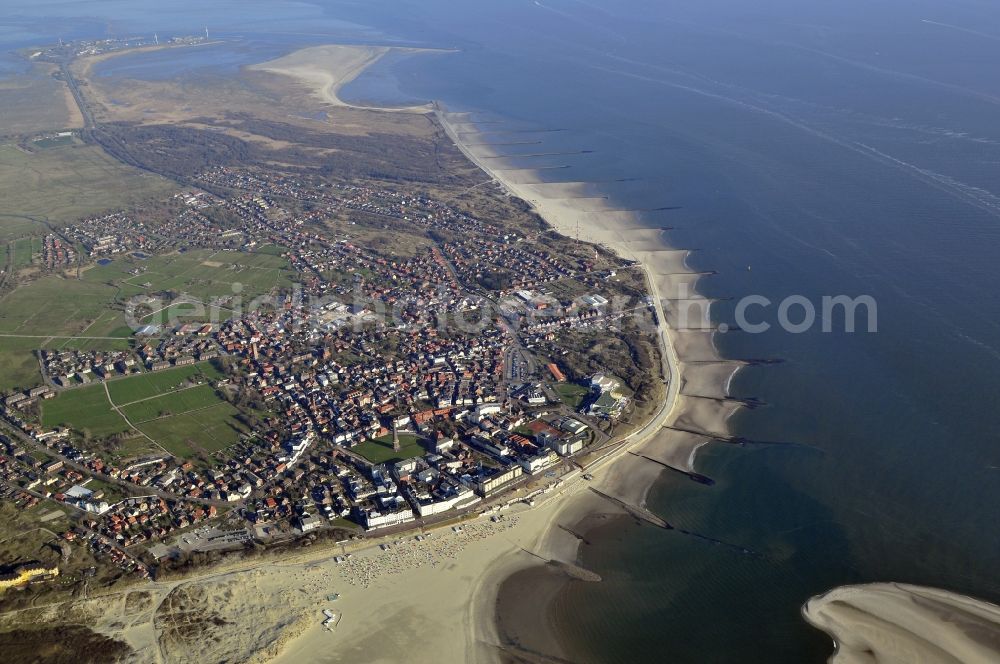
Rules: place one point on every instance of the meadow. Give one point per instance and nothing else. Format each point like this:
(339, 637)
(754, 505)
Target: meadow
(61, 184)
(54, 312)
(85, 410)
(197, 433)
(147, 385)
(176, 408)
(379, 450)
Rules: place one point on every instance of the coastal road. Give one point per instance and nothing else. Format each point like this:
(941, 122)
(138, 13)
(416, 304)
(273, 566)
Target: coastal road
(671, 374)
(668, 354)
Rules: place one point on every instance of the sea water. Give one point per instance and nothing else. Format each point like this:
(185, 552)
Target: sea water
(810, 149)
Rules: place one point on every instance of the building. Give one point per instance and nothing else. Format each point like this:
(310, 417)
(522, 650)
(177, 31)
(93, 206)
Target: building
(488, 484)
(308, 522)
(373, 519)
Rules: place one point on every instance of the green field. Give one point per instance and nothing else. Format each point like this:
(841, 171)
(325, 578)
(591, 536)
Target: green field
(198, 432)
(182, 419)
(18, 364)
(272, 249)
(87, 313)
(379, 450)
(174, 403)
(571, 394)
(63, 183)
(83, 409)
(134, 388)
(52, 311)
(24, 249)
(202, 274)
(55, 306)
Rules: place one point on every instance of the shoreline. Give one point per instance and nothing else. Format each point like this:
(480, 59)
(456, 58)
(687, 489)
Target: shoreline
(895, 622)
(628, 477)
(327, 69)
(432, 604)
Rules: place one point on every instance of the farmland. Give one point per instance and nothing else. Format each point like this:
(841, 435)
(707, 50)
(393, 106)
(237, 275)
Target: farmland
(60, 184)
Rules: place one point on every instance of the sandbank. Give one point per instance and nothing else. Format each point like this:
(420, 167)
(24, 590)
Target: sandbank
(892, 623)
(327, 69)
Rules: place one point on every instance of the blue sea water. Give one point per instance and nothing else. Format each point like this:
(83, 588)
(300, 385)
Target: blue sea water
(837, 148)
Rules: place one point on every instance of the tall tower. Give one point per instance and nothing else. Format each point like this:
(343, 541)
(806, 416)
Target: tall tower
(395, 438)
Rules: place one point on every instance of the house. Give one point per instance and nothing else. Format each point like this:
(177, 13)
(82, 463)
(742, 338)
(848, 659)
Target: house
(308, 522)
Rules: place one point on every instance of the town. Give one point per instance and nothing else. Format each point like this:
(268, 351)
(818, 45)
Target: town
(305, 357)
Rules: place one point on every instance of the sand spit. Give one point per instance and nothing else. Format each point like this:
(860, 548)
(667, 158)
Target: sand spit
(890, 623)
(327, 69)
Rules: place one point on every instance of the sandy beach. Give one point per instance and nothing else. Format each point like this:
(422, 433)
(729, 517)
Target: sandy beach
(327, 69)
(893, 623)
(572, 209)
(436, 600)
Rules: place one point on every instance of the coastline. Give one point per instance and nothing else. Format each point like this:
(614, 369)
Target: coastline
(526, 589)
(435, 600)
(895, 622)
(447, 610)
(327, 69)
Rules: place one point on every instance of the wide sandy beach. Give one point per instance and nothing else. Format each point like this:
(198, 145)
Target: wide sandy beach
(700, 382)
(327, 69)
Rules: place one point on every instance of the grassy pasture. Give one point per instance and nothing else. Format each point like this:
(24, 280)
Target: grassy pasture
(84, 409)
(155, 383)
(175, 403)
(61, 184)
(202, 431)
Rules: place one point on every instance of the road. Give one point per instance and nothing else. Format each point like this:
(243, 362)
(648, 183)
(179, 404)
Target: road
(88, 117)
(34, 444)
(671, 374)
